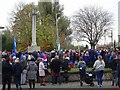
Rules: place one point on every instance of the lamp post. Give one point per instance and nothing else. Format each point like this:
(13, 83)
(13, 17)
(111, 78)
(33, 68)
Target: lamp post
(112, 39)
(104, 38)
(1, 52)
(1, 38)
(58, 40)
(1, 27)
(57, 19)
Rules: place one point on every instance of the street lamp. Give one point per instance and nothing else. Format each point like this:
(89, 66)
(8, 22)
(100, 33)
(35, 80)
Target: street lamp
(0, 44)
(1, 27)
(1, 30)
(1, 52)
(57, 18)
(57, 25)
(104, 37)
(112, 45)
(58, 40)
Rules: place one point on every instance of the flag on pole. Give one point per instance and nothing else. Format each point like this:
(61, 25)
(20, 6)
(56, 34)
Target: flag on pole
(58, 46)
(14, 46)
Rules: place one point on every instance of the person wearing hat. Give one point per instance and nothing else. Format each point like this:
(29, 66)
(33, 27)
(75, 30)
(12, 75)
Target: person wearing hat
(17, 73)
(7, 71)
(32, 72)
(13, 59)
(41, 72)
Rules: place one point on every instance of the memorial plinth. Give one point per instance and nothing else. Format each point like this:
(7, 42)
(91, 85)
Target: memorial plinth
(33, 48)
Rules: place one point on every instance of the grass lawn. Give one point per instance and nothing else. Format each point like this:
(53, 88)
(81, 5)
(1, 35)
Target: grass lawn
(88, 69)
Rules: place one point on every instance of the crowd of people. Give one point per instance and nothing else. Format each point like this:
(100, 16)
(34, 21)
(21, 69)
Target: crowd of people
(22, 66)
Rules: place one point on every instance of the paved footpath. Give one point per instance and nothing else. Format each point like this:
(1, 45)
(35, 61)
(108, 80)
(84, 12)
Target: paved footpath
(70, 85)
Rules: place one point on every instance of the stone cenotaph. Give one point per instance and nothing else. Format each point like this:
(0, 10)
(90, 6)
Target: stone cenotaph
(33, 46)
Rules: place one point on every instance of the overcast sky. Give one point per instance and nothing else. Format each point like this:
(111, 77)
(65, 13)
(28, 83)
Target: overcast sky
(70, 7)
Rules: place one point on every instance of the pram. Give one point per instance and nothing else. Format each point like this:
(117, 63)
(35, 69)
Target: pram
(88, 78)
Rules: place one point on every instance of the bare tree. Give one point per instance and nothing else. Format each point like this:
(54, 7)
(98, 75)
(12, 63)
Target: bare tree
(91, 24)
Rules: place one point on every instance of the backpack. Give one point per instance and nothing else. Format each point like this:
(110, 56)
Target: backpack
(82, 68)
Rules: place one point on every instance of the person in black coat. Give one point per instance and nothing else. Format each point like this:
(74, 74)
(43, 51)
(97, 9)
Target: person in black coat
(55, 70)
(17, 73)
(82, 70)
(65, 66)
(118, 71)
(113, 66)
(7, 71)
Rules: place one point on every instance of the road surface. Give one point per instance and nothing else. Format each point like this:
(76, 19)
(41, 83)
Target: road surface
(70, 85)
